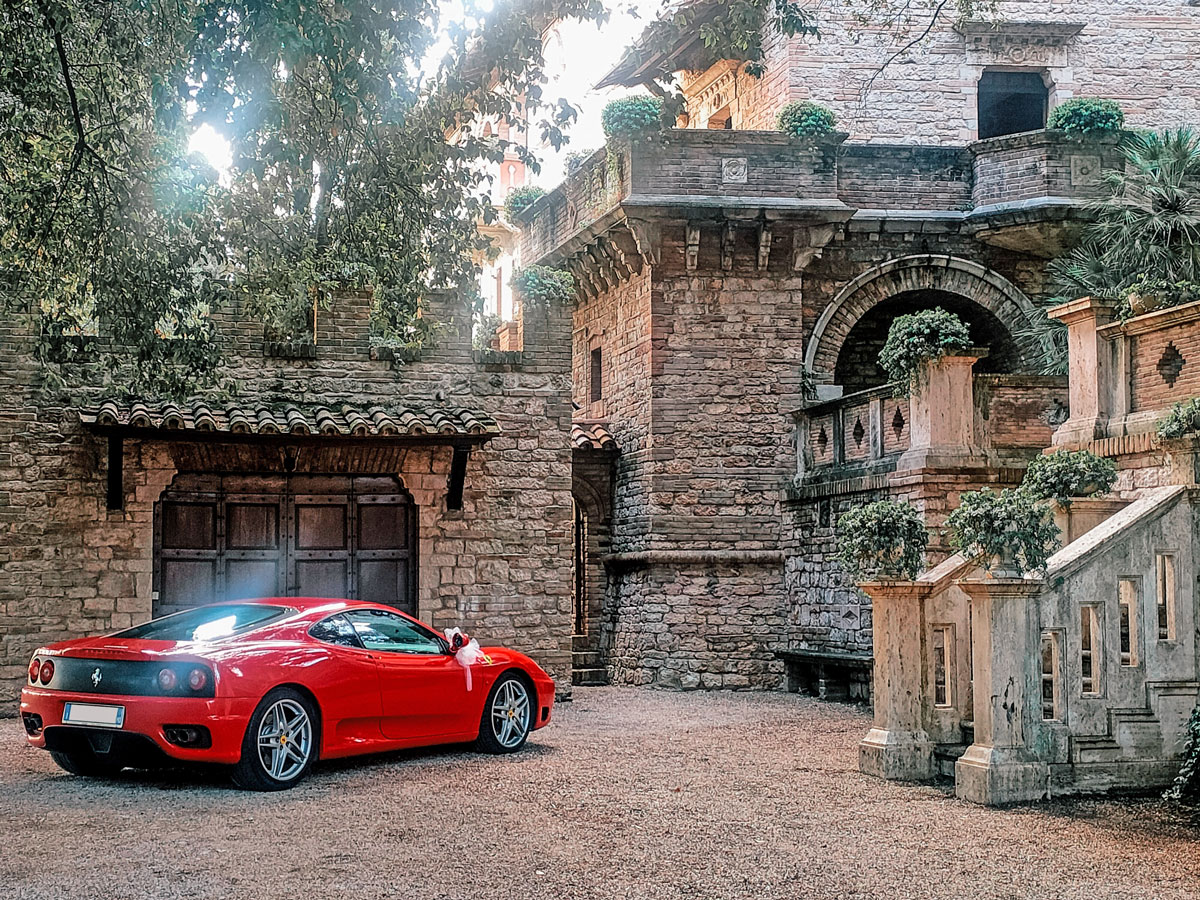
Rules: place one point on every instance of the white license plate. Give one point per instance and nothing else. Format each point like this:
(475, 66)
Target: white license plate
(94, 714)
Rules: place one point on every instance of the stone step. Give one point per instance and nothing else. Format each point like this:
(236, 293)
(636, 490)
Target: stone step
(589, 677)
(587, 659)
(580, 642)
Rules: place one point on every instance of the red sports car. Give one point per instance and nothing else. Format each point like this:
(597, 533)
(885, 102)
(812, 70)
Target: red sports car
(270, 686)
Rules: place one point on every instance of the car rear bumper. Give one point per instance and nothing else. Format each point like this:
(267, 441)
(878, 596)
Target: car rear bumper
(223, 718)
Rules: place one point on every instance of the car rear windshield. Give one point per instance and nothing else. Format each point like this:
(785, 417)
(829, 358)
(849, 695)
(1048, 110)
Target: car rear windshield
(207, 623)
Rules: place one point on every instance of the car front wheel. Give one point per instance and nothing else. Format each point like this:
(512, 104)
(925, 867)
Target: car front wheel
(280, 745)
(507, 716)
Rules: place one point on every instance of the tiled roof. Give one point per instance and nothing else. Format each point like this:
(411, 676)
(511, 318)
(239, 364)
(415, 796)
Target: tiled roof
(592, 436)
(331, 419)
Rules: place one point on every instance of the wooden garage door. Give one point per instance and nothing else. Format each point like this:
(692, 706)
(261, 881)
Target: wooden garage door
(225, 538)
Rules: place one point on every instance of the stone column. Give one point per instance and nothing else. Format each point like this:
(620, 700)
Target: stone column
(898, 747)
(1091, 370)
(942, 414)
(999, 767)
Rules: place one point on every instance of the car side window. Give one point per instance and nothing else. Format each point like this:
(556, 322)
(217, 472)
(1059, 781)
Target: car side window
(336, 630)
(390, 633)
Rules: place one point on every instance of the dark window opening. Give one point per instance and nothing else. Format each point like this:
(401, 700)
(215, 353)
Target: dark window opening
(1011, 102)
(596, 380)
(722, 119)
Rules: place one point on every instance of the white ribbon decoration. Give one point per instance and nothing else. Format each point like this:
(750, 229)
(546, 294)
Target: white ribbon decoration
(467, 655)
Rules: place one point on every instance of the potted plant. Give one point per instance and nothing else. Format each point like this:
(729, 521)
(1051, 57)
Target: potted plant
(1067, 474)
(1087, 116)
(1010, 530)
(520, 199)
(1183, 419)
(805, 119)
(884, 539)
(919, 338)
(632, 119)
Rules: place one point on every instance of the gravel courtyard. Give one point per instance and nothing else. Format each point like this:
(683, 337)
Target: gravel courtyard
(628, 793)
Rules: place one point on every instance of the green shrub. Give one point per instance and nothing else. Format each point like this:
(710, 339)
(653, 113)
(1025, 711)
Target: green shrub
(1083, 115)
(1186, 788)
(633, 118)
(1149, 293)
(805, 119)
(543, 285)
(885, 538)
(1012, 525)
(520, 199)
(920, 337)
(1069, 473)
(1184, 418)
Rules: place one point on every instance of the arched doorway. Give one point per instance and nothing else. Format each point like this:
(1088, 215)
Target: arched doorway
(858, 367)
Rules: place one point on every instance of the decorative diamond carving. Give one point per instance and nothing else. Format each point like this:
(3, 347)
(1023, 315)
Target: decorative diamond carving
(1170, 364)
(859, 432)
(898, 423)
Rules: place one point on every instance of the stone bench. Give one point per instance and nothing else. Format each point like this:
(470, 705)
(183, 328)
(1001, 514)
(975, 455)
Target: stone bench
(828, 674)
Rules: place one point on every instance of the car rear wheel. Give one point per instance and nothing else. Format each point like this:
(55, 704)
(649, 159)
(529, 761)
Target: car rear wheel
(280, 745)
(507, 716)
(83, 761)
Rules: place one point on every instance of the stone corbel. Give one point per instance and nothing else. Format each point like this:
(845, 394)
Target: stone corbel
(764, 245)
(728, 239)
(583, 279)
(624, 251)
(597, 269)
(647, 235)
(603, 264)
(808, 242)
(693, 247)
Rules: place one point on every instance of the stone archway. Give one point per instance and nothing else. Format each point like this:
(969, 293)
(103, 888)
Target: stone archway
(910, 275)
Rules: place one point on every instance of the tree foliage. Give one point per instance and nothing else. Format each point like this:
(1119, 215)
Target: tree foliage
(342, 172)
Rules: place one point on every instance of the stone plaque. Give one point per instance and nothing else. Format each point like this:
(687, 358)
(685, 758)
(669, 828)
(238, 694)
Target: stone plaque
(734, 170)
(1085, 170)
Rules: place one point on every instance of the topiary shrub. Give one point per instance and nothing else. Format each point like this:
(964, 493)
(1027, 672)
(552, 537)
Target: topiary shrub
(1184, 418)
(1011, 525)
(885, 538)
(633, 118)
(1186, 787)
(538, 285)
(917, 338)
(1084, 115)
(805, 119)
(520, 199)
(1069, 473)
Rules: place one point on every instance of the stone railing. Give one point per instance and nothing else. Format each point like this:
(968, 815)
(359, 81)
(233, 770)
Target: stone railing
(1125, 376)
(736, 172)
(955, 412)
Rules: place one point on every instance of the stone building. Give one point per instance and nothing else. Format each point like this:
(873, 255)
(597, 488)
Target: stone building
(728, 275)
(439, 484)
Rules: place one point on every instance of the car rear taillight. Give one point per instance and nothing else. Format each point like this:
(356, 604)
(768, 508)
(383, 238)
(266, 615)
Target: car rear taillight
(46, 673)
(166, 680)
(197, 679)
(34, 667)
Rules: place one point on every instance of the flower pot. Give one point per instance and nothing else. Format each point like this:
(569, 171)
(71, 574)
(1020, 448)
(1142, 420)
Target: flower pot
(1144, 303)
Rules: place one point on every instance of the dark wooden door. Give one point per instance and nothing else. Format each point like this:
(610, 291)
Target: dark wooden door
(230, 537)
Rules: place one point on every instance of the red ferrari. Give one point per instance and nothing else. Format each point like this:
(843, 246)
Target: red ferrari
(270, 686)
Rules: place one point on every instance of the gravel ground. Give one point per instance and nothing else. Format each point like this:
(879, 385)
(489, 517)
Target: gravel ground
(629, 793)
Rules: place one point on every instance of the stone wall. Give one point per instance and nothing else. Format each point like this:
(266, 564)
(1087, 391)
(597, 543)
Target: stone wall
(500, 567)
(928, 95)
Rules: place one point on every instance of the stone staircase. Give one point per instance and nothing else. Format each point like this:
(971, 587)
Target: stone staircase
(946, 755)
(587, 666)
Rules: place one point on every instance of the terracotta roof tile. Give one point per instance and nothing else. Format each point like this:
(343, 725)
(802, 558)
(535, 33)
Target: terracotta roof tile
(592, 436)
(297, 419)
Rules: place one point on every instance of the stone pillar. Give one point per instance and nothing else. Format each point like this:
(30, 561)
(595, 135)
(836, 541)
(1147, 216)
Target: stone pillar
(1091, 370)
(898, 747)
(999, 767)
(942, 417)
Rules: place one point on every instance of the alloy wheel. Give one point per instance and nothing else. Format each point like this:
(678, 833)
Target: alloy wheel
(285, 740)
(510, 713)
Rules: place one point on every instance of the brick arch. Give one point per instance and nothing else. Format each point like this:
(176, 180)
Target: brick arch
(968, 279)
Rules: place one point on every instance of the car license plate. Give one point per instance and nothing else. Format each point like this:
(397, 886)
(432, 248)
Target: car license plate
(94, 714)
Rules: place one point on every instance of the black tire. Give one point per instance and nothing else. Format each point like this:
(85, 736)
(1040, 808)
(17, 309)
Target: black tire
(252, 771)
(494, 737)
(83, 761)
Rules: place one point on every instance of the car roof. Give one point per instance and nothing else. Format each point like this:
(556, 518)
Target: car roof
(324, 605)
